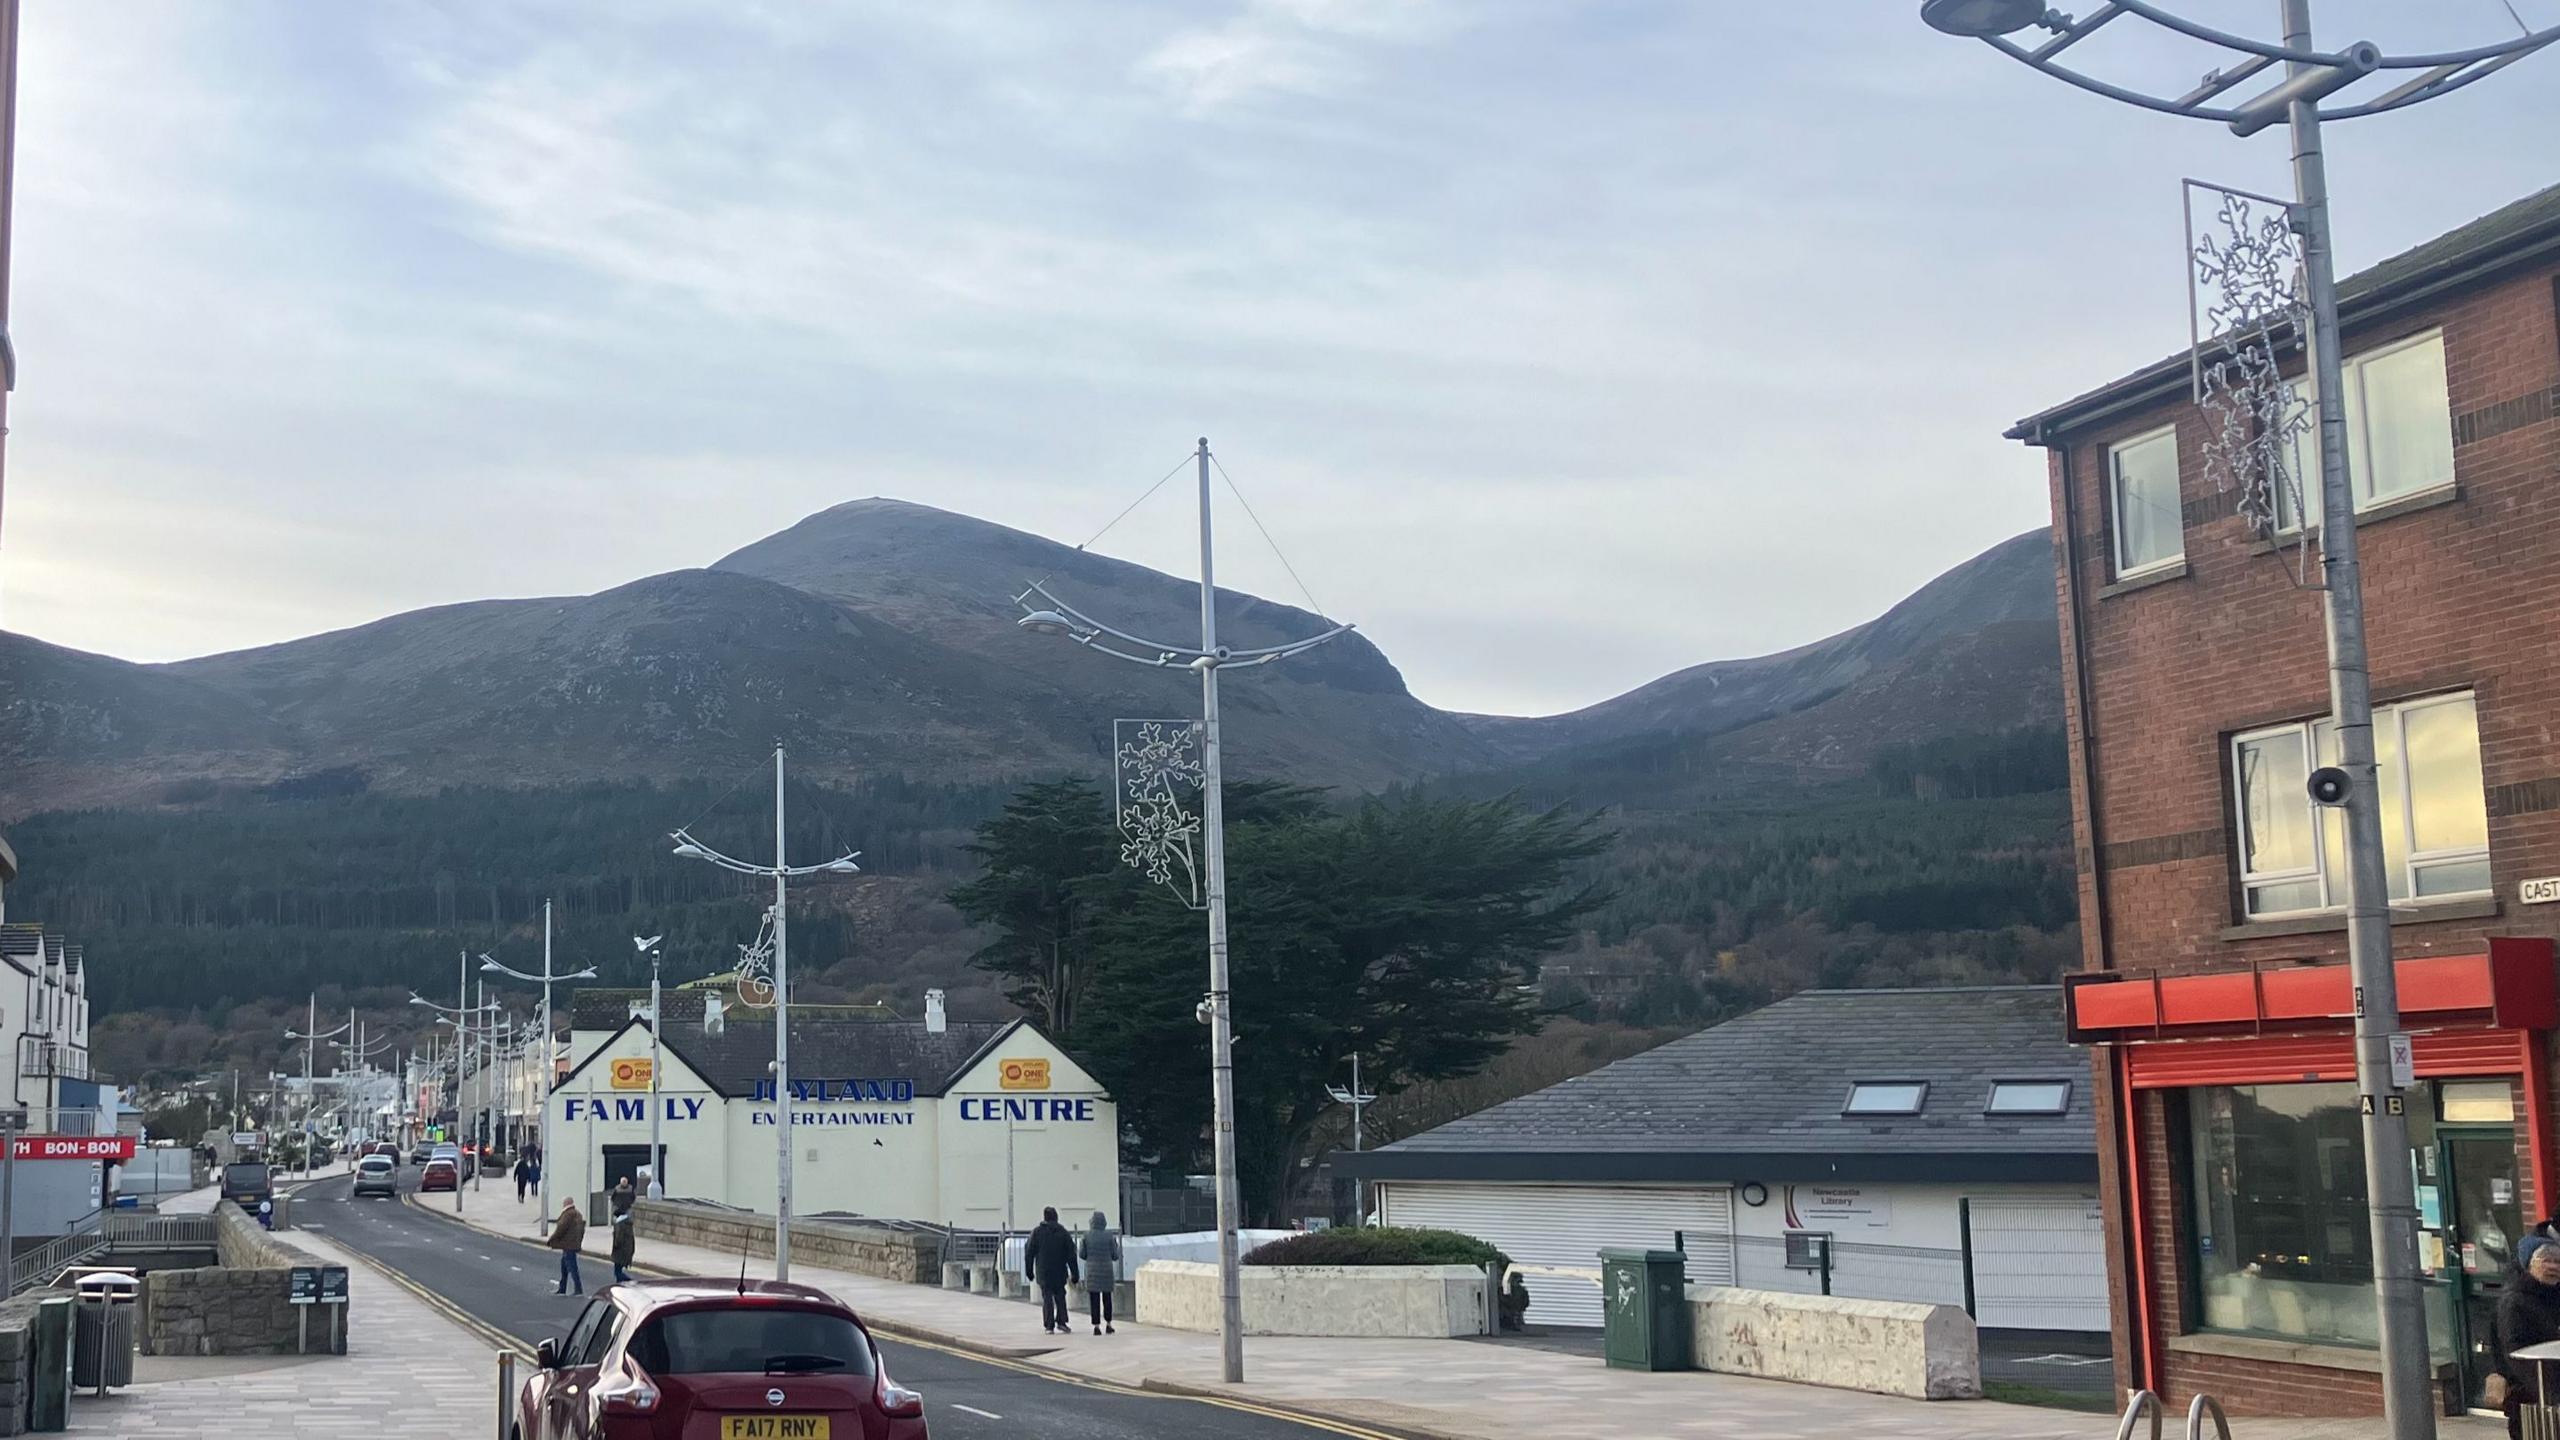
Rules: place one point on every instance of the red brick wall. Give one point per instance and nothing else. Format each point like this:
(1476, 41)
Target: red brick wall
(2460, 595)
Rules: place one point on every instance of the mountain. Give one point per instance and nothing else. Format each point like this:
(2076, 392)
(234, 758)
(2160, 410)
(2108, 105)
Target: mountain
(878, 637)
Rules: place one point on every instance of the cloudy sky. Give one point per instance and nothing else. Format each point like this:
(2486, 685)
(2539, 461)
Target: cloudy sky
(1561, 345)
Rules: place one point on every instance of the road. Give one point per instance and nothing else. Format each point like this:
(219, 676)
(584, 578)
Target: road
(507, 1285)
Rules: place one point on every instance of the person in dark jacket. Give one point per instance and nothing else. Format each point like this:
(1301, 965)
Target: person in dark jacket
(2528, 1314)
(625, 1244)
(1049, 1261)
(1100, 1250)
(566, 1236)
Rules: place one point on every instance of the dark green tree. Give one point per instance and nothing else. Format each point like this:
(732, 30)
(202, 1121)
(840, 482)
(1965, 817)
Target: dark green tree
(1047, 859)
(1405, 930)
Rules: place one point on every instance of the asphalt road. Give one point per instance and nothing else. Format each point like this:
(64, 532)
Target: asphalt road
(507, 1285)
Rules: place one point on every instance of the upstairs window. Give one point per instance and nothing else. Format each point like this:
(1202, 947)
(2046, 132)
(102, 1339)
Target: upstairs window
(2435, 820)
(2142, 498)
(2399, 429)
(2028, 1097)
(1886, 1097)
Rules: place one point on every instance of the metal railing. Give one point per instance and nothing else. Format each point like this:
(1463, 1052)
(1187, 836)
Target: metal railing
(37, 1267)
(160, 1232)
(100, 1232)
(39, 1058)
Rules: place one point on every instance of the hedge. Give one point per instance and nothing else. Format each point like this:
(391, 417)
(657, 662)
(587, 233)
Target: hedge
(1377, 1245)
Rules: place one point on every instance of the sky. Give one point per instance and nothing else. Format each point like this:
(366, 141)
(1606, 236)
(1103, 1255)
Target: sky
(1560, 346)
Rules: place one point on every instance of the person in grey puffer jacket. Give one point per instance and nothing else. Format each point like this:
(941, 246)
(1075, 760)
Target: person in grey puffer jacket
(1100, 1250)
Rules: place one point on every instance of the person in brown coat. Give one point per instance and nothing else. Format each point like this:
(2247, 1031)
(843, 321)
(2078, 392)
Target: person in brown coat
(566, 1237)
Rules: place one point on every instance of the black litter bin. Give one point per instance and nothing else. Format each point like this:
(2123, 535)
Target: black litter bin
(1645, 1309)
(102, 1329)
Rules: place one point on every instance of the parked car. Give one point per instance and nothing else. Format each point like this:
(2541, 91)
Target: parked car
(440, 1174)
(247, 1183)
(375, 1175)
(460, 1157)
(707, 1357)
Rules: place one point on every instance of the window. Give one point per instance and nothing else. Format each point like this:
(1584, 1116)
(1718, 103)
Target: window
(2476, 1102)
(2142, 486)
(1886, 1097)
(2028, 1097)
(601, 1342)
(2399, 429)
(584, 1331)
(2435, 823)
(750, 1341)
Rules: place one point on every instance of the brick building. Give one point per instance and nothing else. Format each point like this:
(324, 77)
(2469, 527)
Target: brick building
(2215, 999)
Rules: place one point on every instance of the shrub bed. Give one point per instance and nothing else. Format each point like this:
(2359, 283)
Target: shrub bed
(1377, 1245)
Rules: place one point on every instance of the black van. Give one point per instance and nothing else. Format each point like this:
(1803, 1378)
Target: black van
(247, 1182)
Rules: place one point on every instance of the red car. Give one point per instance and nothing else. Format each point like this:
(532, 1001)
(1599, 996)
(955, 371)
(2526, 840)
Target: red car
(714, 1360)
(439, 1175)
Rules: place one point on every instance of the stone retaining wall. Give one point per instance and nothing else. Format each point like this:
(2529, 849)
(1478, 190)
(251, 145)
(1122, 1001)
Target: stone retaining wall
(1366, 1301)
(901, 1255)
(1890, 1347)
(243, 1306)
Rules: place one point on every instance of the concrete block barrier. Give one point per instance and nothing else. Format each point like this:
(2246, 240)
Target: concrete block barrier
(1889, 1347)
(1367, 1301)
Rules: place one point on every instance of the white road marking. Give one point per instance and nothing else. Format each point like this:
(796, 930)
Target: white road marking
(974, 1410)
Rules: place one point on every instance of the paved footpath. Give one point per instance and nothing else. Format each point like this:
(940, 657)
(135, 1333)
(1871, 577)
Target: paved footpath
(1467, 1390)
(407, 1370)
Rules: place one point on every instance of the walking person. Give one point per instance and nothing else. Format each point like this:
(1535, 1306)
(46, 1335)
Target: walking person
(566, 1237)
(1049, 1261)
(524, 1175)
(2528, 1314)
(623, 1242)
(1101, 1251)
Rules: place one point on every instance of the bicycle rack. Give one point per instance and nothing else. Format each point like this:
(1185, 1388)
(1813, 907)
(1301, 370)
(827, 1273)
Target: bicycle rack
(2142, 1400)
(2206, 1405)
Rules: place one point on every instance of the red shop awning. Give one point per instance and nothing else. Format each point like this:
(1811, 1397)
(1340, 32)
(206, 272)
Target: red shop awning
(2509, 987)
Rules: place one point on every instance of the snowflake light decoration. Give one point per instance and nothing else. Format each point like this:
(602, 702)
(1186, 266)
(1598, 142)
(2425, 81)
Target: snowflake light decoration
(755, 967)
(1157, 780)
(2246, 303)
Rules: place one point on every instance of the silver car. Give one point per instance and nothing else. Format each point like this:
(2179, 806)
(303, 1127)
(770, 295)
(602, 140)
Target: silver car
(375, 1175)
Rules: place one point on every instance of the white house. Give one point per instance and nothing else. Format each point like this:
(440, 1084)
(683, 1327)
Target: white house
(974, 1124)
(1931, 1145)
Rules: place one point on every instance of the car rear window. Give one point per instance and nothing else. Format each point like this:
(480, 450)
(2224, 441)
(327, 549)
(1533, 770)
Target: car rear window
(245, 1177)
(746, 1340)
(374, 1162)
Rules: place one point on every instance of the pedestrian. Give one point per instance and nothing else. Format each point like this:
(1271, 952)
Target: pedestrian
(623, 1242)
(524, 1175)
(1101, 1251)
(1049, 1261)
(566, 1237)
(266, 1213)
(2528, 1314)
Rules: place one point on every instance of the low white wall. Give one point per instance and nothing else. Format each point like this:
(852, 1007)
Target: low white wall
(1891, 1347)
(1366, 1301)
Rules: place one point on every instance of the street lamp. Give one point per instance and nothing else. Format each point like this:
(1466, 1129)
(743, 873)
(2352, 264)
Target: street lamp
(1057, 617)
(2261, 404)
(780, 871)
(310, 1096)
(549, 1073)
(657, 1153)
(1359, 1100)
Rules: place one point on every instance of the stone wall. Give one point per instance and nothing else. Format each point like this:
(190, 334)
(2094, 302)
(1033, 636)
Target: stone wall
(244, 1305)
(908, 1256)
(1891, 1347)
(1366, 1301)
(17, 1357)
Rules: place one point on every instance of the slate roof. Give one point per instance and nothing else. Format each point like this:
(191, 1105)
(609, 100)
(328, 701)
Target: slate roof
(734, 1061)
(1759, 1098)
(2510, 235)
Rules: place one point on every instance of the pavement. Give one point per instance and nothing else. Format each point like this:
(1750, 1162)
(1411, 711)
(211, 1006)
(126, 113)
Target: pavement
(1431, 1388)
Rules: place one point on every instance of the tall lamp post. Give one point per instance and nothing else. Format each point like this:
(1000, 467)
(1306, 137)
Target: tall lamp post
(549, 1073)
(1056, 617)
(1359, 1101)
(781, 872)
(648, 945)
(2265, 406)
(309, 1035)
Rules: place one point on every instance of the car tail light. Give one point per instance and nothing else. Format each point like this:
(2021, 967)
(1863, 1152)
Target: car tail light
(896, 1400)
(626, 1392)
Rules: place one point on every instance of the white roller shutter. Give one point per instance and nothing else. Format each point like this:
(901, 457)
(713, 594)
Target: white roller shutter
(1569, 1225)
(2039, 1263)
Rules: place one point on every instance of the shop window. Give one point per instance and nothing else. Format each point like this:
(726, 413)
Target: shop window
(2281, 1238)
(1886, 1097)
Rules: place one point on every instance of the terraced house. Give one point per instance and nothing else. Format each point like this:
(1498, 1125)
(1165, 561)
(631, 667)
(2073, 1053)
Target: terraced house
(2216, 1001)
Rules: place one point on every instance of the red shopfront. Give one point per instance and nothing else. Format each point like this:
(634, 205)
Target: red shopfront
(2247, 1257)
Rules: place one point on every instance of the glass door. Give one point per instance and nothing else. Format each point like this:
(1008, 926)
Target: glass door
(2476, 1220)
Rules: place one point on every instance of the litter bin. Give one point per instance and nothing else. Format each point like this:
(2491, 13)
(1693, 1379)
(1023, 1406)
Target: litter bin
(102, 1329)
(49, 1393)
(1644, 1309)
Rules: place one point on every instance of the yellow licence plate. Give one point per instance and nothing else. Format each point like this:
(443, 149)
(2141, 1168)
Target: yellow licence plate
(774, 1427)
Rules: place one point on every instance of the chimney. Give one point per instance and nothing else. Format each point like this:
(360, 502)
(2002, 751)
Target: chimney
(934, 1021)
